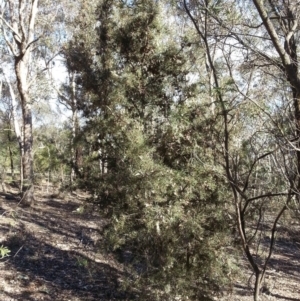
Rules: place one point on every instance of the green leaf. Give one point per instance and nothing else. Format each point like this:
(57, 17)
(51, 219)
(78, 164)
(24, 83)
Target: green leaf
(4, 251)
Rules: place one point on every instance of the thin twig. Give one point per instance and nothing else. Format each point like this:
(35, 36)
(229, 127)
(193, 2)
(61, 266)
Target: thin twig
(18, 251)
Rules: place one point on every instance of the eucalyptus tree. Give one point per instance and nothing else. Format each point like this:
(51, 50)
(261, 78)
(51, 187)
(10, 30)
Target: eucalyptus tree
(18, 24)
(28, 36)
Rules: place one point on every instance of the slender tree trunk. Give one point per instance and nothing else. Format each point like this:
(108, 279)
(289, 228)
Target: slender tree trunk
(28, 187)
(211, 83)
(296, 96)
(257, 286)
(74, 128)
(21, 67)
(11, 158)
(21, 169)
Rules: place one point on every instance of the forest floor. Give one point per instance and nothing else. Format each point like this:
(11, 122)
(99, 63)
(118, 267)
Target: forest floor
(56, 255)
(282, 281)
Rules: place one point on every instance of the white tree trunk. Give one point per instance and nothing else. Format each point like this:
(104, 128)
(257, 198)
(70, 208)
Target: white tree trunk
(21, 68)
(18, 17)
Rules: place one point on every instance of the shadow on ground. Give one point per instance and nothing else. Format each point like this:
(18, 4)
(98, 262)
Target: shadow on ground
(55, 254)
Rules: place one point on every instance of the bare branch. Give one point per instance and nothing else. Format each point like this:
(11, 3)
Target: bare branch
(9, 44)
(11, 28)
(268, 195)
(22, 16)
(33, 13)
(273, 231)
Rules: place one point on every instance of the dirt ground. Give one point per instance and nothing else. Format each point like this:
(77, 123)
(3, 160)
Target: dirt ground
(56, 255)
(282, 281)
(55, 252)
